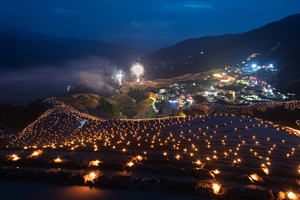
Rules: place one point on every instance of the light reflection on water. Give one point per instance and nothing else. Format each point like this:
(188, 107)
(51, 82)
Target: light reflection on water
(83, 192)
(37, 191)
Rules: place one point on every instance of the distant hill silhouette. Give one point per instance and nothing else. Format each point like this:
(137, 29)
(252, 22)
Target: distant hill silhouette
(278, 42)
(20, 53)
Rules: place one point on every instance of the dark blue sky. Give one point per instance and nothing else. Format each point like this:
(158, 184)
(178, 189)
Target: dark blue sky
(153, 22)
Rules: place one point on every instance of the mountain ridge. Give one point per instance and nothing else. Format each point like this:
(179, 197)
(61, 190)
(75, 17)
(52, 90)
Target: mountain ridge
(277, 42)
(20, 53)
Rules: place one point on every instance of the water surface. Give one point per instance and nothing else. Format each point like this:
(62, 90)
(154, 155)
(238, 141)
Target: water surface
(36, 191)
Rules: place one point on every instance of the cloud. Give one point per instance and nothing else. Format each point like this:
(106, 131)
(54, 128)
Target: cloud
(189, 4)
(62, 11)
(195, 5)
(136, 24)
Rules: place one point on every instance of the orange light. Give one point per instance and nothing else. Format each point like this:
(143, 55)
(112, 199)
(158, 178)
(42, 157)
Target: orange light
(36, 153)
(94, 163)
(14, 157)
(139, 158)
(198, 162)
(216, 188)
(91, 176)
(266, 170)
(291, 195)
(216, 171)
(58, 160)
(255, 177)
(130, 164)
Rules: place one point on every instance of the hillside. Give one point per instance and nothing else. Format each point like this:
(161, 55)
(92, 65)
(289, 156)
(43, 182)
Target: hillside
(219, 156)
(17, 53)
(278, 42)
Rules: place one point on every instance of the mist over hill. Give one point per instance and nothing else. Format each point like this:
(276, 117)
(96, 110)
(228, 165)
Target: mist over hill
(36, 66)
(277, 42)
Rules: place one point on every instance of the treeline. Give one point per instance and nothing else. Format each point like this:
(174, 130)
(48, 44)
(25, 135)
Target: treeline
(15, 116)
(280, 115)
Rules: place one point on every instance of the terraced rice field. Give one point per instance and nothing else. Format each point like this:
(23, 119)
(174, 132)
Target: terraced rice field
(217, 156)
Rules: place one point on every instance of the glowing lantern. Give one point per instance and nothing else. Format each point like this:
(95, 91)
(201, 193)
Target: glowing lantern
(291, 195)
(36, 153)
(91, 176)
(255, 177)
(14, 157)
(177, 157)
(130, 164)
(58, 160)
(266, 170)
(94, 163)
(216, 188)
(198, 162)
(216, 171)
(139, 158)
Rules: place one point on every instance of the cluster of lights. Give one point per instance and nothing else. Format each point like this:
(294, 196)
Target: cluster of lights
(136, 159)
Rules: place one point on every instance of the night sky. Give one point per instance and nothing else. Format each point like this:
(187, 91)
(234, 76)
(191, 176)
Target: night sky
(154, 23)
